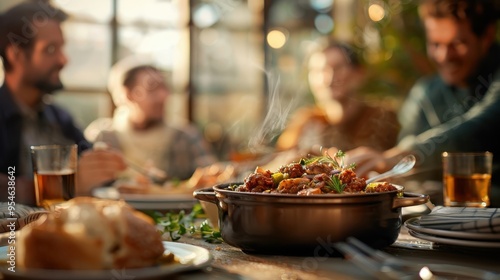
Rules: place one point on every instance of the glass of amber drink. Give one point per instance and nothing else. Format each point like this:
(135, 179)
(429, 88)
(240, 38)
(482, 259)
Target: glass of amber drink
(54, 168)
(467, 179)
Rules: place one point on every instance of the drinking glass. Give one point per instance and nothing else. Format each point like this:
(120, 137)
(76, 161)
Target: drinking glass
(467, 179)
(54, 168)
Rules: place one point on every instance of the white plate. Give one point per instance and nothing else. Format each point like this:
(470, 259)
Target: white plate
(414, 224)
(148, 201)
(453, 241)
(191, 258)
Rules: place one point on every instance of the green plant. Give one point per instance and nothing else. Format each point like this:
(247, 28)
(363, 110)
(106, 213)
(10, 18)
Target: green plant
(180, 224)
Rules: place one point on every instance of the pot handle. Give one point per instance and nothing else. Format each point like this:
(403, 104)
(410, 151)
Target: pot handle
(207, 194)
(410, 199)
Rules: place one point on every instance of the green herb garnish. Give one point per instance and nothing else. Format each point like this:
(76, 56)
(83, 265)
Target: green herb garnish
(209, 234)
(337, 160)
(179, 224)
(335, 184)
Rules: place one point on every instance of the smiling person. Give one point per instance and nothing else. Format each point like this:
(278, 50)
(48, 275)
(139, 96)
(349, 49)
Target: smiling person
(458, 108)
(31, 48)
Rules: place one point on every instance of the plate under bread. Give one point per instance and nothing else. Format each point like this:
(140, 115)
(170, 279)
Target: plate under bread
(190, 258)
(149, 201)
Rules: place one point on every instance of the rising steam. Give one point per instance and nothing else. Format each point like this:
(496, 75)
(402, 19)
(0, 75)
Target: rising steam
(276, 116)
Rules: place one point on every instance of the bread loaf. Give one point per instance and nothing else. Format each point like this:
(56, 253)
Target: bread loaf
(90, 234)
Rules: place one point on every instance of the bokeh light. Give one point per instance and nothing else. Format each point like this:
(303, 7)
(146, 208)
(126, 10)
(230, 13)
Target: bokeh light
(205, 15)
(376, 12)
(324, 23)
(276, 39)
(390, 41)
(321, 5)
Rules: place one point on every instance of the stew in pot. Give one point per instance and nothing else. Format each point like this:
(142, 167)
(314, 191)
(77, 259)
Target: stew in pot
(311, 176)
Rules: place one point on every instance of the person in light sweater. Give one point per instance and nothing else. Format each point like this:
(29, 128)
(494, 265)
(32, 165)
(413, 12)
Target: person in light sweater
(140, 129)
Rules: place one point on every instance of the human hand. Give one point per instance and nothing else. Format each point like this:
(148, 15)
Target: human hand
(367, 160)
(211, 175)
(97, 166)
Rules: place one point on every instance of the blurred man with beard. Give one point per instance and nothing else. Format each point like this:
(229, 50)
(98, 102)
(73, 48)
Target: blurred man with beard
(458, 109)
(31, 48)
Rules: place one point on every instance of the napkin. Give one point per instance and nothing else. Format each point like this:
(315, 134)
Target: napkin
(480, 220)
(18, 214)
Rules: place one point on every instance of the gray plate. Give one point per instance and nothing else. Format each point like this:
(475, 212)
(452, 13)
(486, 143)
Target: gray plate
(414, 225)
(149, 201)
(457, 242)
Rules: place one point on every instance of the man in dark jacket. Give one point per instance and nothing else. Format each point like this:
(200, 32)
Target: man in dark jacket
(31, 48)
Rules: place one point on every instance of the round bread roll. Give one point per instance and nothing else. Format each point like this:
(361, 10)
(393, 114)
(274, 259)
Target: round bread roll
(90, 234)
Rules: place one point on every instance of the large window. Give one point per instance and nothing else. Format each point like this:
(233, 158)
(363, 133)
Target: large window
(211, 52)
(227, 71)
(101, 32)
(237, 67)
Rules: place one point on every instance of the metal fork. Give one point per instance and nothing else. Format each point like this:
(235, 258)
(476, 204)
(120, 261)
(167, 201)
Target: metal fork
(384, 266)
(370, 265)
(156, 175)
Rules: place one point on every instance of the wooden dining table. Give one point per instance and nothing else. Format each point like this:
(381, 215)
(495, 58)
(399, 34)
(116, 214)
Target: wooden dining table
(231, 263)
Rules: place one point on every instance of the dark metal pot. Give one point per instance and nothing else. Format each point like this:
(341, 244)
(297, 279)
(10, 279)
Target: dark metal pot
(293, 224)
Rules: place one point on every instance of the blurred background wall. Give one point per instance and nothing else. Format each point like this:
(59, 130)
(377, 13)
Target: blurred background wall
(237, 67)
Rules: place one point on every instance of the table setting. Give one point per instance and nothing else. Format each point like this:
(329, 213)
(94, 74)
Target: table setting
(190, 258)
(471, 227)
(64, 242)
(382, 232)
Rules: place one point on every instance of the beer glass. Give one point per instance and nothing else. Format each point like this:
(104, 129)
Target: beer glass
(467, 179)
(54, 168)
